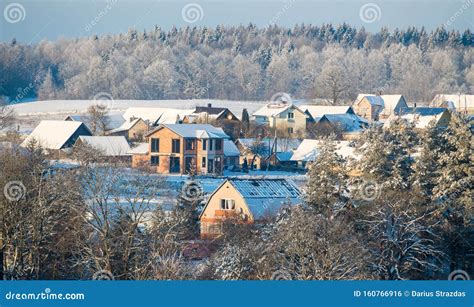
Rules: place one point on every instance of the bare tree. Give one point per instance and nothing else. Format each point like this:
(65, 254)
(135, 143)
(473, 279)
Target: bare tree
(7, 116)
(97, 119)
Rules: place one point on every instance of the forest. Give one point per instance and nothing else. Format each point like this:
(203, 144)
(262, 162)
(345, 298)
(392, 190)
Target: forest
(241, 63)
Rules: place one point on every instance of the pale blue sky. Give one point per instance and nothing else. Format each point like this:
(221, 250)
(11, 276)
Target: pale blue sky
(52, 19)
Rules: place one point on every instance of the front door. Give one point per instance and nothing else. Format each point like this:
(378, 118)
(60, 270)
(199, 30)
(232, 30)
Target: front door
(210, 166)
(174, 164)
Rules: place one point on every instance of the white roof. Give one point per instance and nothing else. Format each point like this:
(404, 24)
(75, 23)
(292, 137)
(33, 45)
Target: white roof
(283, 145)
(348, 122)
(53, 134)
(109, 145)
(267, 196)
(140, 149)
(318, 111)
(202, 131)
(127, 125)
(274, 109)
(230, 150)
(421, 121)
(459, 102)
(157, 115)
(309, 150)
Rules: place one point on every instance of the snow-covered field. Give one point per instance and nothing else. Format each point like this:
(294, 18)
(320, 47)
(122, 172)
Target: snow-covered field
(31, 113)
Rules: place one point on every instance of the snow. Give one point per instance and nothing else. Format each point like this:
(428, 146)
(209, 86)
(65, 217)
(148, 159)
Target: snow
(309, 149)
(283, 145)
(373, 99)
(140, 149)
(157, 115)
(317, 111)
(272, 109)
(111, 146)
(348, 122)
(127, 125)
(53, 134)
(230, 150)
(267, 195)
(197, 131)
(459, 102)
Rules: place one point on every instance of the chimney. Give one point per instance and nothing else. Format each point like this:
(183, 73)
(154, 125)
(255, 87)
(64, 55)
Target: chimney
(414, 105)
(209, 105)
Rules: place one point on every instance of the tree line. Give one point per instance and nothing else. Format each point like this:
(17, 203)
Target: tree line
(241, 63)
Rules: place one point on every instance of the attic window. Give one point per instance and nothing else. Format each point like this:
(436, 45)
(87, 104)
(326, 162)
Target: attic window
(227, 204)
(291, 115)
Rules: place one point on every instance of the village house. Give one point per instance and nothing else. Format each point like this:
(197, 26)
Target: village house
(111, 147)
(349, 124)
(368, 106)
(423, 116)
(317, 111)
(262, 151)
(459, 102)
(246, 201)
(222, 117)
(157, 116)
(309, 150)
(231, 155)
(182, 148)
(133, 130)
(57, 137)
(283, 116)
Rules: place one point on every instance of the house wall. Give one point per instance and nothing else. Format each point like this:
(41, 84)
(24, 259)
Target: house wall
(213, 216)
(166, 136)
(366, 110)
(138, 131)
(282, 122)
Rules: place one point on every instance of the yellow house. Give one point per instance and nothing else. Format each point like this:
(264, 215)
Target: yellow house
(368, 106)
(285, 117)
(246, 201)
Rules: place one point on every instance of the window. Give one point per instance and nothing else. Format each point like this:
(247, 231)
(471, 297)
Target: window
(155, 160)
(291, 115)
(227, 204)
(175, 146)
(218, 144)
(290, 130)
(190, 144)
(203, 162)
(210, 144)
(204, 144)
(155, 145)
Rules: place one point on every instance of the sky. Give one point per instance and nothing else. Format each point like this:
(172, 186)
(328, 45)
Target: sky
(30, 21)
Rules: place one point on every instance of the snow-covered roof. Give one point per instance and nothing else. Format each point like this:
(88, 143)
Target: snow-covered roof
(284, 156)
(54, 134)
(140, 149)
(373, 99)
(348, 122)
(267, 196)
(157, 115)
(309, 150)
(317, 111)
(283, 145)
(230, 150)
(458, 101)
(423, 111)
(110, 145)
(274, 109)
(201, 131)
(127, 125)
(74, 117)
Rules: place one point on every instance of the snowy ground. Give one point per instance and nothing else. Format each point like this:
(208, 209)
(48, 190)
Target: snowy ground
(31, 113)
